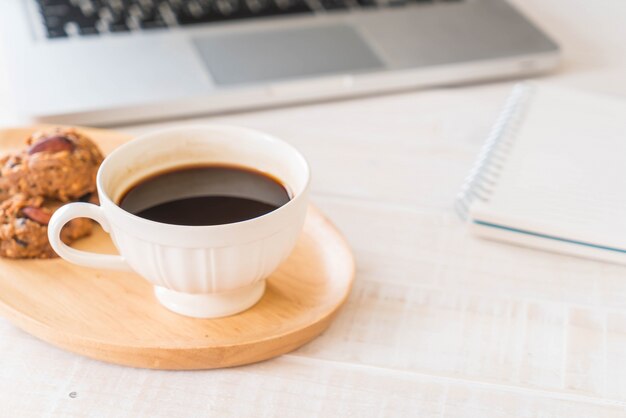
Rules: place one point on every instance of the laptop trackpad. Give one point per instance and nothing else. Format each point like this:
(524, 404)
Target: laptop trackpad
(282, 54)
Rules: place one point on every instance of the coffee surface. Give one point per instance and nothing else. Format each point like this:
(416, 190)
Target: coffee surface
(205, 195)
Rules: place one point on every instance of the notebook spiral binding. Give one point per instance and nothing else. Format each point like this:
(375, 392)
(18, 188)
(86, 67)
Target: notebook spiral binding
(484, 174)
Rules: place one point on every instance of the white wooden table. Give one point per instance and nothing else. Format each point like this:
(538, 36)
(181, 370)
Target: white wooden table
(439, 323)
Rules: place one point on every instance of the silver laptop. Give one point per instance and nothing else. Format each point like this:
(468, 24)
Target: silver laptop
(114, 61)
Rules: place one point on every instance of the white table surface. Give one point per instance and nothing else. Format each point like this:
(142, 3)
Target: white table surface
(439, 323)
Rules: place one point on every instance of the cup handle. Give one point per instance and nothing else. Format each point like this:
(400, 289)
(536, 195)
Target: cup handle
(83, 258)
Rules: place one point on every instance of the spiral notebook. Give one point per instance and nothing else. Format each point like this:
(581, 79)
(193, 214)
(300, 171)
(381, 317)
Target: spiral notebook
(552, 174)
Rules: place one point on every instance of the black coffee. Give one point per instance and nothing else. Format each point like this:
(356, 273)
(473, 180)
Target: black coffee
(205, 195)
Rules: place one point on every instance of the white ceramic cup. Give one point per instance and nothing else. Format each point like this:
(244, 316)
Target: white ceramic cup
(199, 271)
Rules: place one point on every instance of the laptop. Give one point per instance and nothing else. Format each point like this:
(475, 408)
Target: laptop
(103, 62)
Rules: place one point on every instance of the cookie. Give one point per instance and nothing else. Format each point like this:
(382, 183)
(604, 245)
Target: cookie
(24, 228)
(59, 165)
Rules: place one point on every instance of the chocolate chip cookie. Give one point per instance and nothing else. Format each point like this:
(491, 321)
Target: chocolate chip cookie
(24, 228)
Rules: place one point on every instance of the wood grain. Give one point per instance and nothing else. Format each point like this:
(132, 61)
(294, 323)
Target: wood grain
(113, 316)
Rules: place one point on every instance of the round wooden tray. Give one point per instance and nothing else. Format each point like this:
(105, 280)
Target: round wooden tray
(114, 317)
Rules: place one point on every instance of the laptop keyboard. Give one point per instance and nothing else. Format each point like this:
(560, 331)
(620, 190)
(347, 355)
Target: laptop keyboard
(63, 18)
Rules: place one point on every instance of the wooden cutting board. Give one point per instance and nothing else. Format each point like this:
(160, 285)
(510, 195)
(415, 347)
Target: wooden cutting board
(114, 317)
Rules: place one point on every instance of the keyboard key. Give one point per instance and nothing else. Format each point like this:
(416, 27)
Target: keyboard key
(240, 9)
(52, 2)
(55, 32)
(333, 4)
(256, 7)
(226, 7)
(291, 6)
(87, 25)
(59, 10)
(153, 24)
(367, 3)
(192, 12)
(114, 20)
(118, 27)
(87, 30)
(152, 20)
